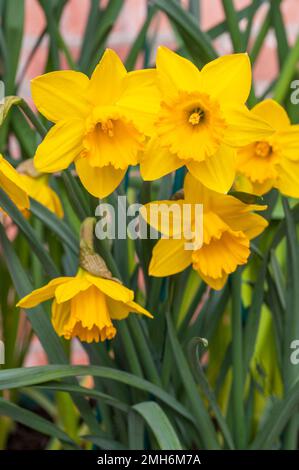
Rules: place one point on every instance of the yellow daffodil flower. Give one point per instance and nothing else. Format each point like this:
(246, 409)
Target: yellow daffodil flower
(12, 183)
(100, 123)
(272, 161)
(228, 227)
(38, 188)
(85, 305)
(202, 118)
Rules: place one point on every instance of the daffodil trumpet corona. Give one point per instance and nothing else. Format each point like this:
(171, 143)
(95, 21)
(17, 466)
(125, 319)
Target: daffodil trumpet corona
(201, 119)
(271, 162)
(101, 123)
(228, 227)
(86, 305)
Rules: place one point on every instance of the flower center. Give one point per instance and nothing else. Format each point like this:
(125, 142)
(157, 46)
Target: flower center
(196, 116)
(106, 127)
(263, 149)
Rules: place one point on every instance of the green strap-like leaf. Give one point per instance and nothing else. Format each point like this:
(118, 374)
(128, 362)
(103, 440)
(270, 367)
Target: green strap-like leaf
(160, 425)
(277, 420)
(33, 421)
(9, 207)
(64, 387)
(203, 421)
(15, 378)
(185, 22)
(56, 225)
(40, 321)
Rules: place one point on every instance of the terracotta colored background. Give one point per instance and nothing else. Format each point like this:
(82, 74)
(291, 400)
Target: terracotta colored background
(125, 30)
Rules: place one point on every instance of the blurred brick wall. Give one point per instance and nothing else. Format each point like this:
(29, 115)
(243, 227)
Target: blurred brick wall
(131, 19)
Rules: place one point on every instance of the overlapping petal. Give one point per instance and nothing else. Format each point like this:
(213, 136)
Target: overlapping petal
(169, 257)
(228, 78)
(106, 82)
(44, 293)
(11, 182)
(61, 146)
(61, 95)
(273, 113)
(158, 161)
(244, 127)
(100, 182)
(175, 72)
(217, 172)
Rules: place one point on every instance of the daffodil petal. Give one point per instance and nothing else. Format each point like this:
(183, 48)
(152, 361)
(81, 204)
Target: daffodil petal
(272, 113)
(288, 177)
(111, 288)
(61, 95)
(164, 216)
(136, 308)
(251, 225)
(216, 284)
(44, 293)
(39, 189)
(169, 257)
(140, 98)
(60, 316)
(106, 81)
(61, 146)
(157, 161)
(244, 127)
(217, 172)
(238, 216)
(228, 77)
(100, 182)
(195, 191)
(120, 310)
(11, 182)
(288, 141)
(175, 72)
(69, 289)
(117, 310)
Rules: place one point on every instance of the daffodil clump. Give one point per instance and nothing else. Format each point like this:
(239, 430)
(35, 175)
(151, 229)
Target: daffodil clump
(164, 118)
(228, 227)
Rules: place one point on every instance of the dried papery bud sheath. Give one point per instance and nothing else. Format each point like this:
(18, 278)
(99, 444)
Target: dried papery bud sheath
(178, 195)
(27, 168)
(91, 261)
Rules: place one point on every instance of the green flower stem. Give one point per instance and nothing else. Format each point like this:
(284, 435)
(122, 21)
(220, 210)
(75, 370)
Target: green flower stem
(75, 195)
(52, 30)
(237, 363)
(283, 85)
(144, 352)
(130, 349)
(33, 118)
(132, 329)
(290, 371)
